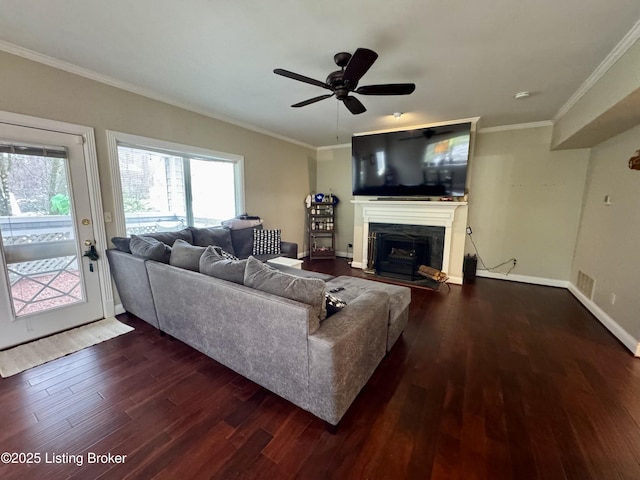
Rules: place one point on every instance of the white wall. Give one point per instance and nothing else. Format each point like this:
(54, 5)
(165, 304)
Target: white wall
(608, 241)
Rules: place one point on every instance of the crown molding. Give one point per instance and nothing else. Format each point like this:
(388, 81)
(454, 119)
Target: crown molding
(618, 51)
(129, 87)
(516, 126)
(472, 120)
(333, 147)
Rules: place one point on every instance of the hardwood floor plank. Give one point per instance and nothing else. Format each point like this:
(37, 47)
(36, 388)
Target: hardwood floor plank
(495, 380)
(243, 459)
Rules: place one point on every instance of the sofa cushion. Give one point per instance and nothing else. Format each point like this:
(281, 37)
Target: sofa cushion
(150, 248)
(122, 244)
(219, 236)
(266, 242)
(306, 290)
(215, 263)
(187, 256)
(170, 237)
(243, 241)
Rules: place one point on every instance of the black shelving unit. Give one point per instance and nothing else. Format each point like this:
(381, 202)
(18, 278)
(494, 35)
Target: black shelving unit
(321, 225)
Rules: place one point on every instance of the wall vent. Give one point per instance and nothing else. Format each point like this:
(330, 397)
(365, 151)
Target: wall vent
(586, 284)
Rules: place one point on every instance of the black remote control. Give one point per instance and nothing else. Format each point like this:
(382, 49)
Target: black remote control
(337, 289)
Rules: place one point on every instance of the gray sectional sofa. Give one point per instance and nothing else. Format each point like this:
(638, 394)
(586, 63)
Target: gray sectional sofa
(267, 324)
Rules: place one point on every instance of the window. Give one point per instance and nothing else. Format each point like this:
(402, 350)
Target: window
(167, 187)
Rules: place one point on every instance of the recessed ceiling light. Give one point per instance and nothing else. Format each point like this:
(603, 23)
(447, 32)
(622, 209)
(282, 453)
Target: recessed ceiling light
(520, 95)
(397, 114)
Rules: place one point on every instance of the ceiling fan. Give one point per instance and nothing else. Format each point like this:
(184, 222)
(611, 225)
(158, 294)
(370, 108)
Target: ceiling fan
(345, 81)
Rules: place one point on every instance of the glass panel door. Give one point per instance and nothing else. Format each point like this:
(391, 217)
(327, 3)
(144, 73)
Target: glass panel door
(37, 230)
(46, 224)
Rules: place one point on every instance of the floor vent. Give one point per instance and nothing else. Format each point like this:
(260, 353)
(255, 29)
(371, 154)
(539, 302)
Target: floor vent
(586, 284)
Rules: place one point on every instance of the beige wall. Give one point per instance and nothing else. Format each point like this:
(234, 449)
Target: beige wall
(607, 247)
(34, 89)
(524, 201)
(334, 176)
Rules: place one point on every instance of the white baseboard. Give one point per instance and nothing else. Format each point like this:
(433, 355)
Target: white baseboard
(548, 282)
(610, 324)
(306, 253)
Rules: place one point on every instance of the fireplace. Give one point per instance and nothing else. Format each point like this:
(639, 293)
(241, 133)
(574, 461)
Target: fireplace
(400, 256)
(400, 250)
(410, 217)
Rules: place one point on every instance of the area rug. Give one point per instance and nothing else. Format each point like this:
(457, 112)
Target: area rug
(38, 352)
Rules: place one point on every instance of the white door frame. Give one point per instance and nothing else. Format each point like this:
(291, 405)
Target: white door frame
(95, 197)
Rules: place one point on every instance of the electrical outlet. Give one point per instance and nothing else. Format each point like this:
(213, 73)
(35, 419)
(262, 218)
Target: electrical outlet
(107, 217)
(515, 262)
(349, 245)
(469, 231)
(613, 299)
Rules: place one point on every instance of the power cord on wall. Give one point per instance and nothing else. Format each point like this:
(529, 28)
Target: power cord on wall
(513, 261)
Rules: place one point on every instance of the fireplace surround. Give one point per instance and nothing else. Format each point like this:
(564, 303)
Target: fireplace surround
(372, 215)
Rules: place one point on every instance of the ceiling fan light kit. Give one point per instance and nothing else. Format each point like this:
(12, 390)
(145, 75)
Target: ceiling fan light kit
(343, 82)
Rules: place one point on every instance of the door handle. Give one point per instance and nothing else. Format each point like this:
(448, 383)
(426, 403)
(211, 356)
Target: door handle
(92, 253)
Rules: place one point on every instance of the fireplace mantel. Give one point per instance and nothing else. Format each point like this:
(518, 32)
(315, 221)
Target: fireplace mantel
(411, 212)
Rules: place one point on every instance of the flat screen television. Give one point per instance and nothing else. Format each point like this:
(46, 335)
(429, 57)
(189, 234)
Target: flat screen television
(426, 162)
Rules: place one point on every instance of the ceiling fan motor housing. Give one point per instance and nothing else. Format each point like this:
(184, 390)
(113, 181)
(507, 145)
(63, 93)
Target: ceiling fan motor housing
(336, 81)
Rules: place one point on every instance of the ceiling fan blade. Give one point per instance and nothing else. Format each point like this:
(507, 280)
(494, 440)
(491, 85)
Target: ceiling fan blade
(301, 78)
(387, 89)
(354, 105)
(358, 65)
(312, 100)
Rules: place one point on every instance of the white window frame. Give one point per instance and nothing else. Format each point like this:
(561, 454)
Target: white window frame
(115, 138)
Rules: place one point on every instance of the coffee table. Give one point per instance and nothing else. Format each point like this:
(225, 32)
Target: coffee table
(287, 262)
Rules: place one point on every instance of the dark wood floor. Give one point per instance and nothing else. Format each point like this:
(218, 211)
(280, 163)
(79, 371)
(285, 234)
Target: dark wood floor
(496, 380)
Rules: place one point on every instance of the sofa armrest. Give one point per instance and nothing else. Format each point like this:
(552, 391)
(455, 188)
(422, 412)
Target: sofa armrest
(289, 249)
(132, 282)
(344, 352)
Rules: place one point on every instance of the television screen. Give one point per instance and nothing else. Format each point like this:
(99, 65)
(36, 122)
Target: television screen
(422, 162)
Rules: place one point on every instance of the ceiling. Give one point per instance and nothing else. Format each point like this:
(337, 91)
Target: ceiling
(467, 59)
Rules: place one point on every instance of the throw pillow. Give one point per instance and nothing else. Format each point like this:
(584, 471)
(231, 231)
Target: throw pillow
(225, 254)
(243, 241)
(213, 236)
(184, 255)
(122, 244)
(306, 290)
(266, 242)
(150, 248)
(215, 262)
(334, 304)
